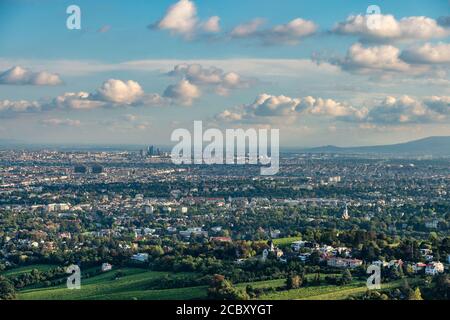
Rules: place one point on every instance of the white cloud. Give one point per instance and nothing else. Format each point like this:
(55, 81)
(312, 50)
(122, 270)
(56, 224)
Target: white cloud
(388, 28)
(270, 108)
(211, 25)
(392, 110)
(332, 108)
(247, 29)
(387, 60)
(438, 104)
(8, 107)
(183, 92)
(181, 18)
(290, 33)
(428, 54)
(406, 109)
(112, 94)
(74, 100)
(120, 92)
(381, 58)
(211, 77)
(20, 76)
(229, 116)
(247, 66)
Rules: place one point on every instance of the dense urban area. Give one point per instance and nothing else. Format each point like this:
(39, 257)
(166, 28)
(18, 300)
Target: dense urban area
(140, 227)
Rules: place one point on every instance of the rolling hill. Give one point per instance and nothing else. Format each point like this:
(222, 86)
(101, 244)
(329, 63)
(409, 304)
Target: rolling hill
(436, 146)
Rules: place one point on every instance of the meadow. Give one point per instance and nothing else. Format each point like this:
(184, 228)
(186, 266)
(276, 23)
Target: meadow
(134, 284)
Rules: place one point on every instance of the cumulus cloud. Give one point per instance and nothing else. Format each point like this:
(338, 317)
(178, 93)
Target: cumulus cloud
(183, 92)
(229, 116)
(333, 108)
(428, 54)
(8, 107)
(366, 59)
(290, 33)
(211, 25)
(440, 105)
(268, 107)
(181, 18)
(55, 122)
(382, 60)
(390, 111)
(21, 76)
(74, 100)
(211, 77)
(247, 29)
(112, 94)
(388, 28)
(120, 92)
(409, 110)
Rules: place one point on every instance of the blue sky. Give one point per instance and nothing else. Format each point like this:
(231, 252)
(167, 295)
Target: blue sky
(296, 70)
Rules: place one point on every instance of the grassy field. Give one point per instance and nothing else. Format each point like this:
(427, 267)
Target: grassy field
(282, 242)
(132, 285)
(135, 284)
(329, 292)
(278, 282)
(27, 269)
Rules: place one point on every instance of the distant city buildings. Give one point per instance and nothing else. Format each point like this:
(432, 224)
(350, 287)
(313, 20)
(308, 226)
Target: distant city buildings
(344, 263)
(85, 169)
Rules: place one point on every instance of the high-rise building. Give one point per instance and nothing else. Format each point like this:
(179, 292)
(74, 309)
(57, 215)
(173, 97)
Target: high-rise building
(150, 151)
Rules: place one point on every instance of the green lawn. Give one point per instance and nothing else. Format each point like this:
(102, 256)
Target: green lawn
(27, 269)
(282, 242)
(133, 285)
(279, 282)
(328, 292)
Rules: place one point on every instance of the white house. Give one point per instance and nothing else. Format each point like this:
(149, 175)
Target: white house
(433, 268)
(304, 256)
(380, 263)
(141, 257)
(274, 234)
(106, 267)
(297, 245)
(149, 209)
(417, 267)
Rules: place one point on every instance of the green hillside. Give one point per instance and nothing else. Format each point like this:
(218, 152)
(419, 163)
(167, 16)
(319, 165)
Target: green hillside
(133, 284)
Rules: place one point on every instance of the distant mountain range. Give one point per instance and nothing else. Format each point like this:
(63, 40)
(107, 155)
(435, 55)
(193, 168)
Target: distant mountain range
(437, 146)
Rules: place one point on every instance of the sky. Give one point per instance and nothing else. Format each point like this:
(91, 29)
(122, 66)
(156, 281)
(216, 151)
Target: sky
(323, 72)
